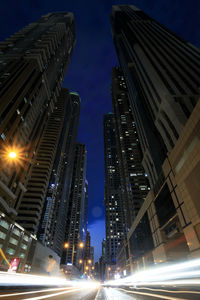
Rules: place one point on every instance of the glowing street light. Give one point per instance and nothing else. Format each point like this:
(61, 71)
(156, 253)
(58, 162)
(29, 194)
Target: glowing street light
(87, 268)
(81, 245)
(66, 245)
(80, 261)
(12, 155)
(89, 261)
(92, 267)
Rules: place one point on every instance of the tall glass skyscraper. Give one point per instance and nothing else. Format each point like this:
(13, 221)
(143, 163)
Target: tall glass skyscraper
(33, 63)
(76, 225)
(114, 206)
(163, 79)
(134, 183)
(39, 122)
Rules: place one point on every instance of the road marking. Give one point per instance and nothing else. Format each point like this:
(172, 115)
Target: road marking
(34, 292)
(152, 295)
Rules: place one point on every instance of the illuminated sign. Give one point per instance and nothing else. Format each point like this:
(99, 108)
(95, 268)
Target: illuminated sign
(14, 264)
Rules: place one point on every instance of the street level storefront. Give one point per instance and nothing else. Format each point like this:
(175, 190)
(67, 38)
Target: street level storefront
(15, 243)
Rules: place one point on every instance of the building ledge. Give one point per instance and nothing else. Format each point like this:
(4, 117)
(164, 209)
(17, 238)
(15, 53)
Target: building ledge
(8, 209)
(6, 191)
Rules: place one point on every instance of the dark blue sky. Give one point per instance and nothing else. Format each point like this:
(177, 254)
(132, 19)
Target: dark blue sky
(89, 72)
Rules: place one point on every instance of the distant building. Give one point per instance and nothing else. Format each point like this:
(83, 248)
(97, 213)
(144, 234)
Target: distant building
(92, 255)
(87, 246)
(114, 208)
(74, 233)
(53, 221)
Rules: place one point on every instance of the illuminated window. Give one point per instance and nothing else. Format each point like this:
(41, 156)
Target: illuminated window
(13, 241)
(22, 255)
(23, 246)
(16, 232)
(10, 251)
(2, 235)
(3, 136)
(26, 238)
(4, 224)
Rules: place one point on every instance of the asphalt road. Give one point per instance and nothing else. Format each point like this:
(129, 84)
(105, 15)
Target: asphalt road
(103, 293)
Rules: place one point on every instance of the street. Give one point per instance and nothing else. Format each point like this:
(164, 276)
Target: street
(102, 293)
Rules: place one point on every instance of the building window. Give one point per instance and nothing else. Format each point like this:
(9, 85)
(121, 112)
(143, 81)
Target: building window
(2, 235)
(3, 136)
(21, 255)
(26, 238)
(4, 224)
(10, 251)
(16, 232)
(13, 241)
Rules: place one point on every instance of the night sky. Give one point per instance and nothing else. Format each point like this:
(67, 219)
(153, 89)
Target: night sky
(89, 72)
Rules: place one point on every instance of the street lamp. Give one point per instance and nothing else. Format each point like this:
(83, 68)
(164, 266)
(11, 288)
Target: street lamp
(87, 268)
(89, 261)
(80, 261)
(66, 245)
(81, 245)
(12, 154)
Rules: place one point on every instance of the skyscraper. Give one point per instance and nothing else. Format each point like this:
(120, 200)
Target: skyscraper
(162, 75)
(134, 183)
(75, 226)
(114, 208)
(163, 80)
(53, 221)
(87, 246)
(33, 63)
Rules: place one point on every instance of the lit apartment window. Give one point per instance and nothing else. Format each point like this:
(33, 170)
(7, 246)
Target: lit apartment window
(13, 241)
(4, 224)
(10, 251)
(2, 235)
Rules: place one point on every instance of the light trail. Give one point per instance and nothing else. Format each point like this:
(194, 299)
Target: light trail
(153, 295)
(168, 291)
(34, 292)
(55, 294)
(177, 274)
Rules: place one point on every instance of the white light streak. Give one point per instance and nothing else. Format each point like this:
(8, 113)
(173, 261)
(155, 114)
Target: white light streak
(34, 292)
(187, 272)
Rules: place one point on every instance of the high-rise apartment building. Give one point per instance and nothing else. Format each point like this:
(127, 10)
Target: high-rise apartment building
(163, 79)
(134, 181)
(53, 221)
(33, 63)
(87, 246)
(114, 208)
(162, 76)
(75, 226)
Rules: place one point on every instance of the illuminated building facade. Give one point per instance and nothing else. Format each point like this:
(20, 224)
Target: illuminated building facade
(162, 76)
(134, 181)
(114, 208)
(53, 221)
(75, 226)
(33, 63)
(87, 247)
